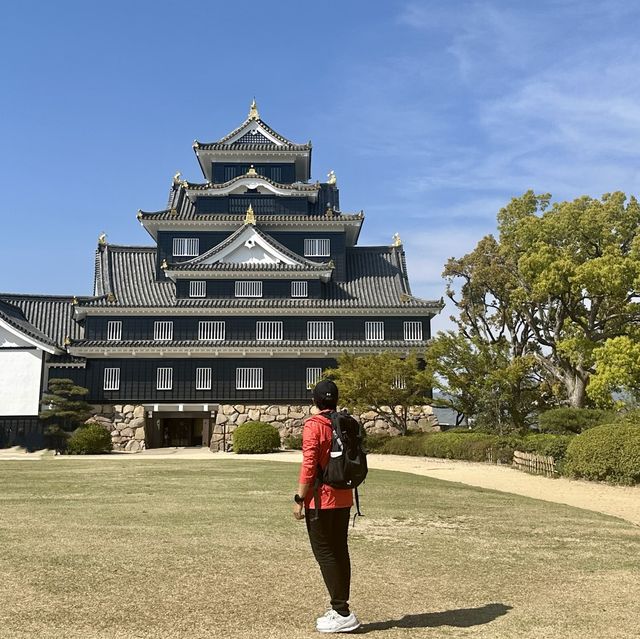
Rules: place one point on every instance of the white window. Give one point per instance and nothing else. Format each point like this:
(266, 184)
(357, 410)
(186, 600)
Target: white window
(317, 248)
(319, 330)
(314, 375)
(163, 330)
(374, 330)
(268, 330)
(186, 246)
(249, 289)
(299, 289)
(114, 331)
(248, 379)
(164, 379)
(399, 382)
(203, 379)
(198, 288)
(413, 330)
(211, 330)
(111, 379)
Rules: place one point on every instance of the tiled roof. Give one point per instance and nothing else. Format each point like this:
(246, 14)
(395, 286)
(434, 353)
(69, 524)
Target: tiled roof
(286, 343)
(189, 213)
(242, 145)
(377, 278)
(302, 263)
(211, 186)
(46, 318)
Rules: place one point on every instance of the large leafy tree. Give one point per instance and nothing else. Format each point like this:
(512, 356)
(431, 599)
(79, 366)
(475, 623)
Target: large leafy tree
(386, 383)
(558, 282)
(483, 381)
(617, 371)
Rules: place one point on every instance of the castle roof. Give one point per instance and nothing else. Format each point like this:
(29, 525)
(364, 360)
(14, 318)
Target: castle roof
(126, 279)
(46, 318)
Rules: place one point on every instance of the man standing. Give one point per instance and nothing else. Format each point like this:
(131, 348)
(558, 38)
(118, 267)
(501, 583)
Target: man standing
(328, 531)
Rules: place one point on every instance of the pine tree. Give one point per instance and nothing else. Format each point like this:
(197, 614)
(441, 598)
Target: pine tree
(66, 407)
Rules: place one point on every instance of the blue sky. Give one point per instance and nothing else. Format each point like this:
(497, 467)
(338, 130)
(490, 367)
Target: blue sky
(432, 114)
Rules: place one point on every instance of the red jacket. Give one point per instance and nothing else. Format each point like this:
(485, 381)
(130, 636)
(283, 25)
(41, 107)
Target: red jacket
(316, 446)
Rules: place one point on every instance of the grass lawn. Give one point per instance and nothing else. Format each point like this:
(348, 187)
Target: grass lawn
(194, 549)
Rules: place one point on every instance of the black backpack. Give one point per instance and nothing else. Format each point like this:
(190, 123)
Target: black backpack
(347, 466)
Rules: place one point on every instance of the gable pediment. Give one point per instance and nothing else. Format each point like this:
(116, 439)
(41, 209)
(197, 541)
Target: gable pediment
(253, 133)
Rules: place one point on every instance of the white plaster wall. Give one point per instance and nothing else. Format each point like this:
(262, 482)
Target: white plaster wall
(20, 372)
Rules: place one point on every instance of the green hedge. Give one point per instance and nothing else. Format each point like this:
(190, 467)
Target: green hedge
(607, 453)
(293, 442)
(470, 445)
(91, 439)
(255, 437)
(567, 421)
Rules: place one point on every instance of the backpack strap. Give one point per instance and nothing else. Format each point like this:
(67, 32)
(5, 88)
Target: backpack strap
(357, 513)
(319, 471)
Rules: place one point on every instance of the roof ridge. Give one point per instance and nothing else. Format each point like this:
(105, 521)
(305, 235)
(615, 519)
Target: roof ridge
(37, 296)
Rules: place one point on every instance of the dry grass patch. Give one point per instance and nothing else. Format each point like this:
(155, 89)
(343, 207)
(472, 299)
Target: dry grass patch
(193, 549)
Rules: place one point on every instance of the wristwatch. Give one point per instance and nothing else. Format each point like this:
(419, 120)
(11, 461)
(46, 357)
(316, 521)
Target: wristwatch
(299, 500)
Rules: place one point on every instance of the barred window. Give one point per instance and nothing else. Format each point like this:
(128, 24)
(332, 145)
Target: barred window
(198, 288)
(164, 380)
(248, 379)
(413, 331)
(319, 330)
(186, 246)
(203, 379)
(317, 248)
(314, 375)
(268, 330)
(111, 379)
(249, 289)
(162, 331)
(114, 331)
(211, 330)
(374, 330)
(299, 289)
(399, 382)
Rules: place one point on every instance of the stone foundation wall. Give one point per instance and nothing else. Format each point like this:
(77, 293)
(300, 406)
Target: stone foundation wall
(125, 423)
(290, 419)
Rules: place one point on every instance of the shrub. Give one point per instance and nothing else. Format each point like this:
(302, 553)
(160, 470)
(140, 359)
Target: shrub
(91, 439)
(610, 452)
(565, 421)
(375, 442)
(255, 437)
(402, 445)
(294, 442)
(458, 445)
(549, 445)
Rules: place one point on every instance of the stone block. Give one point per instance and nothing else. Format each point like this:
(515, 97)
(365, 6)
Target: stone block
(273, 410)
(239, 408)
(369, 415)
(283, 410)
(254, 414)
(221, 418)
(126, 432)
(138, 411)
(128, 408)
(296, 415)
(139, 434)
(233, 418)
(133, 446)
(241, 419)
(117, 408)
(281, 418)
(228, 409)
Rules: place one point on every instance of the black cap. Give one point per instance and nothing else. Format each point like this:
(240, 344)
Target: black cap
(325, 390)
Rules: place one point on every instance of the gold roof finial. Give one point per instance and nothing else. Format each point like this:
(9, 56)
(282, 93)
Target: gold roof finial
(396, 240)
(252, 172)
(253, 111)
(250, 217)
(329, 210)
(74, 301)
(331, 177)
(67, 341)
(164, 265)
(102, 239)
(111, 298)
(139, 214)
(176, 177)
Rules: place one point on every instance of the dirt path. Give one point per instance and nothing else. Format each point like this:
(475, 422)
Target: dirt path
(618, 501)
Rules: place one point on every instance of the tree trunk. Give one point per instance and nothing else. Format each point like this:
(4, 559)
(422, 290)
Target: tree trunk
(576, 385)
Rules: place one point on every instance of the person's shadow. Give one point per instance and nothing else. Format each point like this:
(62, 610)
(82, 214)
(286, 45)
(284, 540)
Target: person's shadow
(460, 618)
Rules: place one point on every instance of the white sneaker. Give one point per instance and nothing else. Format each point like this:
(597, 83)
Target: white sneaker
(333, 621)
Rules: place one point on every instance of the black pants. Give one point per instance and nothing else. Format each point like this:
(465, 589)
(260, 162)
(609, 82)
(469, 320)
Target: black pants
(328, 537)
